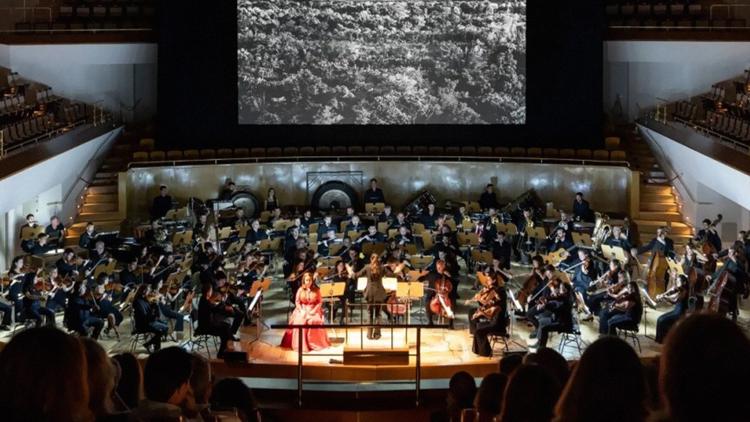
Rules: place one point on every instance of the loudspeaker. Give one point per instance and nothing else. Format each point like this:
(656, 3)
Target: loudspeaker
(357, 356)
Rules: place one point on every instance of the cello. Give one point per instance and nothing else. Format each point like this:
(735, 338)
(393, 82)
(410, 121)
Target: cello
(721, 294)
(656, 272)
(530, 285)
(441, 303)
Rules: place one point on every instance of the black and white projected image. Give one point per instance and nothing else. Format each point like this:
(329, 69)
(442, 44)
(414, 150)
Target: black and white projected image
(381, 62)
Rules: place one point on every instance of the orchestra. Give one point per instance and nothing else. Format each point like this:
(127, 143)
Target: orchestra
(96, 285)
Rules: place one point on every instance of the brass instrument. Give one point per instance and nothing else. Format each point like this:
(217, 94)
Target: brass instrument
(601, 229)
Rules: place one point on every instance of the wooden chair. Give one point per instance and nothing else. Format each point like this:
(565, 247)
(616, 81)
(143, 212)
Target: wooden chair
(241, 152)
(484, 151)
(257, 152)
(419, 150)
(534, 152)
(224, 153)
(600, 154)
(174, 155)
(372, 150)
(618, 155)
(192, 154)
(140, 156)
(567, 153)
(501, 152)
(273, 152)
(517, 152)
(322, 150)
(403, 150)
(208, 153)
(147, 144)
(290, 151)
(356, 150)
(157, 156)
(469, 151)
(307, 151)
(551, 152)
(387, 150)
(452, 150)
(612, 142)
(339, 150)
(583, 153)
(436, 150)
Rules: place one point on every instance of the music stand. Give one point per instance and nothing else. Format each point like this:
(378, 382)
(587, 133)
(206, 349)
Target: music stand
(410, 290)
(674, 266)
(510, 229)
(410, 248)
(582, 239)
(31, 233)
(331, 292)
(619, 254)
(420, 261)
(372, 208)
(322, 272)
(329, 261)
(538, 233)
(373, 248)
(607, 251)
(225, 232)
(256, 291)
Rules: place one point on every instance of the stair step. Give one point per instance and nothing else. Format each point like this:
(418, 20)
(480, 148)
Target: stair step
(98, 208)
(99, 216)
(97, 189)
(101, 225)
(661, 216)
(659, 207)
(103, 198)
(657, 197)
(660, 189)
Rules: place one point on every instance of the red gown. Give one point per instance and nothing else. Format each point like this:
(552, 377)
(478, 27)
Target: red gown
(308, 310)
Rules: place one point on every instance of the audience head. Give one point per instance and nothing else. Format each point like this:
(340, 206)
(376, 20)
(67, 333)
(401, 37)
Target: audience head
(166, 378)
(129, 387)
(607, 384)
(101, 377)
(703, 363)
(550, 360)
(489, 396)
(232, 393)
(44, 376)
(530, 395)
(461, 391)
(509, 363)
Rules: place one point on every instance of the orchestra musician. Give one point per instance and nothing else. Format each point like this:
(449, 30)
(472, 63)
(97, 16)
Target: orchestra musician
(438, 281)
(308, 310)
(401, 221)
(355, 225)
(709, 234)
(271, 203)
(102, 292)
(56, 231)
(57, 296)
(27, 245)
(255, 234)
(78, 314)
(403, 237)
(374, 294)
(341, 275)
(41, 246)
(387, 216)
(490, 317)
(32, 307)
(213, 317)
(583, 277)
(306, 220)
(613, 277)
(371, 236)
(624, 312)
(461, 217)
(678, 296)
(428, 218)
(68, 264)
(374, 194)
(146, 318)
(87, 240)
(161, 204)
(738, 280)
(324, 245)
(230, 188)
(501, 249)
(660, 244)
(96, 257)
(618, 239)
(561, 241)
(554, 310)
(581, 209)
(488, 199)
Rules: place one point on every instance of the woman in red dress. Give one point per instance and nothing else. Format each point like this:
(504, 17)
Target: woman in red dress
(308, 310)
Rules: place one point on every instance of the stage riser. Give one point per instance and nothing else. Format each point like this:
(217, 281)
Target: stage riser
(606, 187)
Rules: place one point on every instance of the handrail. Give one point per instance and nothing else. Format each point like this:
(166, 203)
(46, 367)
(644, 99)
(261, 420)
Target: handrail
(79, 177)
(298, 158)
(417, 355)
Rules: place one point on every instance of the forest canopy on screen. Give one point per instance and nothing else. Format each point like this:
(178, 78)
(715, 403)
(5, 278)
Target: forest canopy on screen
(381, 62)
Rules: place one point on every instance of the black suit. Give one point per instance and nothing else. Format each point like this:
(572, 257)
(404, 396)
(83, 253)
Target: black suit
(487, 200)
(211, 321)
(374, 196)
(161, 205)
(582, 210)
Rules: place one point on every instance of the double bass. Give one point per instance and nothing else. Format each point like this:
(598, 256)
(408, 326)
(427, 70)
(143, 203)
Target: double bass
(721, 294)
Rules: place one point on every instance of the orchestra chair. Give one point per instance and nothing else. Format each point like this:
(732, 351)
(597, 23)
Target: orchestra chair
(473, 206)
(370, 248)
(224, 153)
(618, 155)
(313, 229)
(383, 228)
(191, 154)
(140, 156)
(375, 208)
(354, 234)
(157, 156)
(392, 233)
(203, 341)
(174, 155)
(567, 153)
(583, 153)
(208, 153)
(534, 152)
(418, 228)
(501, 151)
(631, 332)
(241, 152)
(611, 142)
(571, 337)
(342, 227)
(450, 223)
(265, 216)
(600, 154)
(147, 144)
(137, 338)
(258, 152)
(410, 248)
(427, 242)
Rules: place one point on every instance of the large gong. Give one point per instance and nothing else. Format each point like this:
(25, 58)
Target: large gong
(333, 195)
(246, 201)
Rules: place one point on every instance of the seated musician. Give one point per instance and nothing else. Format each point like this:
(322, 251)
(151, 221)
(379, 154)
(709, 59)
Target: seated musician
(98, 256)
(374, 194)
(354, 225)
(559, 241)
(483, 234)
(87, 240)
(291, 237)
(56, 231)
(324, 244)
(32, 307)
(161, 204)
(31, 223)
(556, 310)
(488, 199)
(618, 239)
(492, 219)
(564, 223)
(213, 316)
(275, 216)
(660, 244)
(447, 244)
(386, 216)
(228, 191)
(404, 237)
(308, 310)
(624, 313)
(678, 296)
(598, 293)
(255, 234)
(490, 317)
(584, 275)
(146, 317)
(438, 280)
(501, 249)
(371, 236)
(539, 295)
(400, 221)
(429, 217)
(59, 292)
(306, 220)
(41, 246)
(78, 313)
(68, 264)
(103, 291)
(129, 277)
(290, 252)
(739, 280)
(165, 307)
(346, 244)
(709, 234)
(461, 217)
(581, 209)
(326, 225)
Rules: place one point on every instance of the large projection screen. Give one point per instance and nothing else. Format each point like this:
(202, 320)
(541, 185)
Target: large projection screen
(381, 62)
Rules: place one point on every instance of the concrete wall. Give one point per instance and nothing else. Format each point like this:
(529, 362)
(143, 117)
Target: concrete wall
(121, 77)
(641, 71)
(706, 187)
